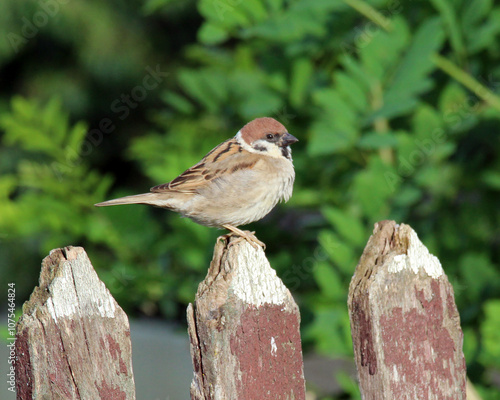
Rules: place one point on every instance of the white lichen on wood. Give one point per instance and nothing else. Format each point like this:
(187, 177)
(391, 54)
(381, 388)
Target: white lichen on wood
(417, 258)
(255, 281)
(77, 290)
(73, 339)
(243, 314)
(274, 348)
(405, 325)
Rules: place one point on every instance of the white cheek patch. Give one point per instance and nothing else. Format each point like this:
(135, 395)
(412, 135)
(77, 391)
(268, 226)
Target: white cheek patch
(244, 144)
(260, 147)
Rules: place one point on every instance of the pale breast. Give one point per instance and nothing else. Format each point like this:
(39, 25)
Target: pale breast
(243, 196)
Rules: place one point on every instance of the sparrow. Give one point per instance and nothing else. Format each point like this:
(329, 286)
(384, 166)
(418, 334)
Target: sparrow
(240, 181)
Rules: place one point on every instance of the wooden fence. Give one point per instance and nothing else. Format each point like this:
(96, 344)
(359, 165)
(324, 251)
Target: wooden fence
(404, 322)
(73, 339)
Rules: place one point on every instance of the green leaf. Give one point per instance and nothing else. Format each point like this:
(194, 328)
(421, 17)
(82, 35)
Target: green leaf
(410, 79)
(392, 109)
(255, 9)
(177, 102)
(263, 102)
(376, 140)
(225, 13)
(275, 5)
(356, 71)
(326, 138)
(473, 13)
(491, 179)
(339, 252)
(407, 196)
(206, 86)
(453, 100)
(425, 120)
(328, 281)
(439, 182)
(302, 18)
(482, 35)
(330, 331)
(483, 280)
(372, 188)
(491, 334)
(211, 34)
(348, 225)
(380, 56)
(348, 384)
(447, 12)
(352, 91)
(42, 129)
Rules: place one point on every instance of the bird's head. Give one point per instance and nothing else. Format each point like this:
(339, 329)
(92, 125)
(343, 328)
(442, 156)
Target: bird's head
(266, 136)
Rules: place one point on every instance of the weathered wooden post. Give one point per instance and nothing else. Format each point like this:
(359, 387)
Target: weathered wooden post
(244, 330)
(404, 321)
(73, 340)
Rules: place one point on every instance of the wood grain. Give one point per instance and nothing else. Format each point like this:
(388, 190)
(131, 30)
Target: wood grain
(245, 330)
(404, 322)
(73, 340)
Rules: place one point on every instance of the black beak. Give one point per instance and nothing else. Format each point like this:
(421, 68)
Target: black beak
(288, 139)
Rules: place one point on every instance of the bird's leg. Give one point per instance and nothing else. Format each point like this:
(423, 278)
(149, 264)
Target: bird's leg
(247, 235)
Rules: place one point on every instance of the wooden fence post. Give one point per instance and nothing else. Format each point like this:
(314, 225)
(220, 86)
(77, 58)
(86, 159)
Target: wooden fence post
(404, 321)
(73, 340)
(244, 330)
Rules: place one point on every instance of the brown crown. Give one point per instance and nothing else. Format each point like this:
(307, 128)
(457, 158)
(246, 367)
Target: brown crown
(258, 128)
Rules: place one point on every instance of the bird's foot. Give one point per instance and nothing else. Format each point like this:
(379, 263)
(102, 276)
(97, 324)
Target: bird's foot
(244, 235)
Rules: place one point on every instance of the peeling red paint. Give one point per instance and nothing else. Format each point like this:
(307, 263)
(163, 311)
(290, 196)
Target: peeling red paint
(114, 348)
(115, 351)
(123, 367)
(366, 347)
(110, 393)
(259, 360)
(24, 373)
(419, 347)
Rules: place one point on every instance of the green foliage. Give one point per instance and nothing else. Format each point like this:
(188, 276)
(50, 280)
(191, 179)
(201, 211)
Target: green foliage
(395, 105)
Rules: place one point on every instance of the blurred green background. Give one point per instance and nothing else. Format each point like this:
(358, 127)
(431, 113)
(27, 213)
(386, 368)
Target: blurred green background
(396, 105)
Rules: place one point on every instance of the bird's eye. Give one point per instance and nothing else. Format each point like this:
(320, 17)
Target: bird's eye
(270, 136)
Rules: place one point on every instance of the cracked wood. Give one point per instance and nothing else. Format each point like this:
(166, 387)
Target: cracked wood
(404, 322)
(245, 330)
(73, 340)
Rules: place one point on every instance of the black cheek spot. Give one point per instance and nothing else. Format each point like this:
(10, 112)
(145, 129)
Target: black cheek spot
(259, 148)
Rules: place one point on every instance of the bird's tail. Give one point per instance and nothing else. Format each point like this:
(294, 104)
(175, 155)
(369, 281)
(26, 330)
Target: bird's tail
(145, 198)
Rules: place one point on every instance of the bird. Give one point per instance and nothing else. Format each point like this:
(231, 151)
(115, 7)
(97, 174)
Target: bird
(238, 182)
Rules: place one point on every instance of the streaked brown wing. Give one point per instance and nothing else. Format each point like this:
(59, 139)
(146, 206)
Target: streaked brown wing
(226, 158)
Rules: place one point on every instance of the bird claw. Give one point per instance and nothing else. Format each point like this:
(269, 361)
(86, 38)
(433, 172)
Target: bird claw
(240, 235)
(251, 239)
